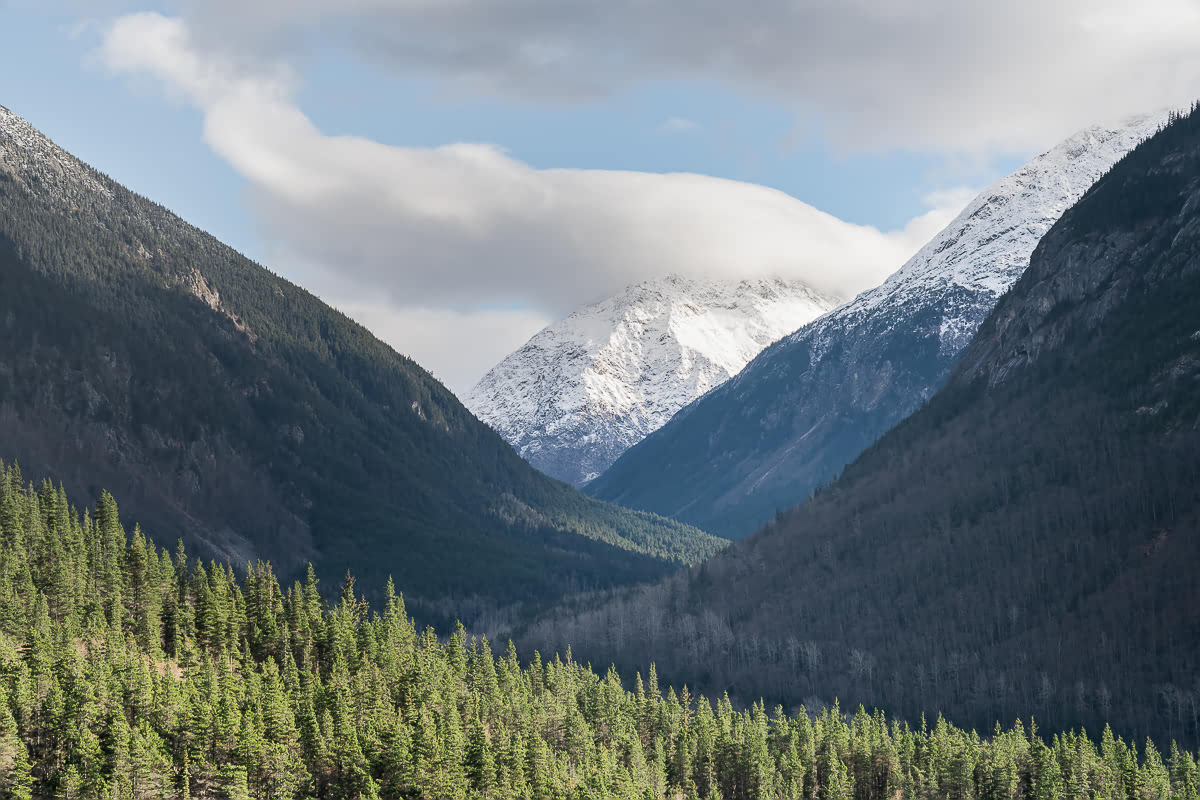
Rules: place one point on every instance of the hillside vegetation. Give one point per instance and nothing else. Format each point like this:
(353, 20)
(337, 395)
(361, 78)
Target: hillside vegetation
(127, 673)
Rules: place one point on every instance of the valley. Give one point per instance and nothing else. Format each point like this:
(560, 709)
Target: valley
(642, 403)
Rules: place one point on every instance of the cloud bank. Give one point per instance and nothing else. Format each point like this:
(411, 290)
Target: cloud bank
(465, 229)
(942, 75)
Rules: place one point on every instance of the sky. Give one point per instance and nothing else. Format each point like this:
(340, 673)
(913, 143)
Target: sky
(456, 174)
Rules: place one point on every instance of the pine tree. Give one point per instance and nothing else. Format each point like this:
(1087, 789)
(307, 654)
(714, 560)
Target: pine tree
(481, 766)
(231, 783)
(16, 779)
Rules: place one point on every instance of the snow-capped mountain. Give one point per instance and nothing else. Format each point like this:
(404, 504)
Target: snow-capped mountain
(808, 405)
(585, 389)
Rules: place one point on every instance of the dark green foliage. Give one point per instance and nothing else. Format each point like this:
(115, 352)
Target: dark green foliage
(287, 698)
(233, 408)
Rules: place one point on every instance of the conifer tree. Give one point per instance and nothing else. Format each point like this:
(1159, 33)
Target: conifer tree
(481, 765)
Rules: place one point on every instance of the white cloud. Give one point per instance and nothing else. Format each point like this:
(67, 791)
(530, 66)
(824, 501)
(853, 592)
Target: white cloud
(942, 207)
(466, 226)
(944, 75)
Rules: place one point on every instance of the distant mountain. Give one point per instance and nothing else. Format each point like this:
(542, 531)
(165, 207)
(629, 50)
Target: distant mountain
(808, 405)
(1029, 539)
(232, 408)
(585, 389)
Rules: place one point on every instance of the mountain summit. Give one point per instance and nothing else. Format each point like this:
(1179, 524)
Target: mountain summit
(585, 389)
(808, 405)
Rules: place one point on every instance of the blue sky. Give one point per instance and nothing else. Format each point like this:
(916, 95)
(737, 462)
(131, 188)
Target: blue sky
(889, 148)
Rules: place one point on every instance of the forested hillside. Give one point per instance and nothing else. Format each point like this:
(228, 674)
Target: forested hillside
(1029, 541)
(232, 408)
(129, 673)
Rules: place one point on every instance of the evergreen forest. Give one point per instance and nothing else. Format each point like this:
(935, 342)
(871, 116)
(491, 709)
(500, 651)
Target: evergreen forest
(129, 672)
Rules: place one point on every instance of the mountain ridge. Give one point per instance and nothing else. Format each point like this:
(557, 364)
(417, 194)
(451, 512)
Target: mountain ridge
(232, 408)
(810, 403)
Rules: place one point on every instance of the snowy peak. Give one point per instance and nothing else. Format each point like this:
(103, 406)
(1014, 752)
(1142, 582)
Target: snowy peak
(988, 245)
(963, 270)
(585, 389)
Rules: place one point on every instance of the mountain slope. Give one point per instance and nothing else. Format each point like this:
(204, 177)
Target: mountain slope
(1030, 536)
(585, 389)
(233, 408)
(808, 405)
